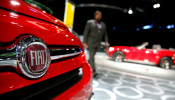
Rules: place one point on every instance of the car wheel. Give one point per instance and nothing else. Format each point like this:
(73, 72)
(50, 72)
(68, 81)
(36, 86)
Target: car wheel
(166, 63)
(119, 57)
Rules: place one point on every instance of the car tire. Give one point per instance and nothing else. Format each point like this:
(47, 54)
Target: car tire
(119, 56)
(166, 63)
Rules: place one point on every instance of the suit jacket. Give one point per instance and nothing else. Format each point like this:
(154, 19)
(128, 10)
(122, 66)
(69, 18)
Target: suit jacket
(92, 35)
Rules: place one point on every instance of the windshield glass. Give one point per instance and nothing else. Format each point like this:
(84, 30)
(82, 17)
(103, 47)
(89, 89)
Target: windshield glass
(39, 5)
(143, 45)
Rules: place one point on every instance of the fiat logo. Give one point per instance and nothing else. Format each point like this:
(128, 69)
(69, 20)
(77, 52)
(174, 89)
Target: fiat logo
(33, 57)
(36, 57)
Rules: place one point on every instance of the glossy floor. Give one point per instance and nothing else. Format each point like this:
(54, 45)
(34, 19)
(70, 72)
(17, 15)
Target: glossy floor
(131, 81)
(112, 85)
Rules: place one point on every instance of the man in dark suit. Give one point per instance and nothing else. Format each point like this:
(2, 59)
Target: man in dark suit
(94, 32)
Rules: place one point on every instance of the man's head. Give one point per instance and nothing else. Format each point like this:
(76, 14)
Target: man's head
(97, 15)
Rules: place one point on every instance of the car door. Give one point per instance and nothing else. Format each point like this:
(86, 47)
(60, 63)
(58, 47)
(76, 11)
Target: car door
(134, 54)
(147, 55)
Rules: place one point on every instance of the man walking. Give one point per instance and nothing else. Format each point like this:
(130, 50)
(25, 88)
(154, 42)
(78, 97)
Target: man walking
(94, 31)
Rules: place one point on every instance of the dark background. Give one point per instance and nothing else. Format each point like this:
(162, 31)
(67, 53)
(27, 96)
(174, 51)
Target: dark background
(123, 28)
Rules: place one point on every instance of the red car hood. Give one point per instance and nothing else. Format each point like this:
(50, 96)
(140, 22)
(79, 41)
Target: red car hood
(19, 6)
(22, 18)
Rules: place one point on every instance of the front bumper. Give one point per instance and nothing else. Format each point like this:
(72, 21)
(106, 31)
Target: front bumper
(82, 90)
(73, 85)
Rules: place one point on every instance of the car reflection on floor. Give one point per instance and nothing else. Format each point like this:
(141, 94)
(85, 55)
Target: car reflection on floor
(112, 85)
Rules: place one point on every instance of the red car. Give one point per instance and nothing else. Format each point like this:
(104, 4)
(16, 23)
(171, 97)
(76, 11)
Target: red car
(158, 56)
(39, 57)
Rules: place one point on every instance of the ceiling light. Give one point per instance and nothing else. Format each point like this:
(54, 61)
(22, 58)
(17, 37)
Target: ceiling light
(147, 27)
(130, 11)
(156, 5)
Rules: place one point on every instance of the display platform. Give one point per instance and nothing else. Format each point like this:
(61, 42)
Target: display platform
(131, 81)
(102, 59)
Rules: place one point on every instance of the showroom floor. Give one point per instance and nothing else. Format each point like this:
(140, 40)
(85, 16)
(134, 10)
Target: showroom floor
(116, 83)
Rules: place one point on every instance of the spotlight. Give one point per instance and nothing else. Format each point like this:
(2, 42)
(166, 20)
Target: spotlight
(130, 11)
(156, 5)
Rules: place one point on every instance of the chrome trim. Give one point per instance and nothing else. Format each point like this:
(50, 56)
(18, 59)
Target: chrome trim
(64, 56)
(22, 60)
(8, 58)
(63, 53)
(12, 60)
(12, 63)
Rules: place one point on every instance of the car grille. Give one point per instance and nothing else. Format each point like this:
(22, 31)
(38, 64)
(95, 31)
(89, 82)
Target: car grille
(8, 57)
(57, 54)
(47, 89)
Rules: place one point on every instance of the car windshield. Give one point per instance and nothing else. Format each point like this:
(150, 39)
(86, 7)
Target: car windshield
(39, 5)
(143, 45)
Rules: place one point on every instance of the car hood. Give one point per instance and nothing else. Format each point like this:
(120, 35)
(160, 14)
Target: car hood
(21, 7)
(29, 20)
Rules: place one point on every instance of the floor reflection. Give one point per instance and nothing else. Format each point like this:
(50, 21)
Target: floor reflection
(112, 85)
